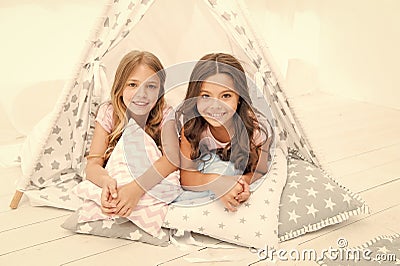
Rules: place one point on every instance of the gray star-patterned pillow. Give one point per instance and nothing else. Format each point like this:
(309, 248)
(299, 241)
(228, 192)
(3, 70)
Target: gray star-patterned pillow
(312, 200)
(382, 250)
(118, 228)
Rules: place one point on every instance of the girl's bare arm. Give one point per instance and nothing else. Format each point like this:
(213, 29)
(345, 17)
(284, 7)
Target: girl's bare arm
(95, 171)
(192, 179)
(226, 187)
(262, 164)
(190, 176)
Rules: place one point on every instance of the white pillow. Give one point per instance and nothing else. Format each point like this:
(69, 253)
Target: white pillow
(254, 224)
(132, 156)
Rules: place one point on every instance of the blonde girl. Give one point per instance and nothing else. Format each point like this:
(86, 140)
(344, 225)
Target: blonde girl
(137, 93)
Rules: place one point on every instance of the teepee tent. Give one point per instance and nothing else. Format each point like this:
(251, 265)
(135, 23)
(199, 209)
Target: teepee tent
(176, 31)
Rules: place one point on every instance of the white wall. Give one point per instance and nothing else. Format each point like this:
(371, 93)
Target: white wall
(40, 45)
(343, 47)
(44, 38)
(291, 29)
(359, 50)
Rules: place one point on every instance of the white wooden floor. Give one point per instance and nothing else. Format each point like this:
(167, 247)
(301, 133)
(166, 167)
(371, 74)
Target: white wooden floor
(359, 145)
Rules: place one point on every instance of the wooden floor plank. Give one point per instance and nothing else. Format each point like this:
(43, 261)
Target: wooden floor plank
(373, 177)
(133, 253)
(28, 215)
(346, 113)
(390, 219)
(32, 235)
(5, 200)
(365, 161)
(137, 249)
(355, 143)
(387, 218)
(237, 256)
(343, 127)
(8, 178)
(63, 248)
(382, 197)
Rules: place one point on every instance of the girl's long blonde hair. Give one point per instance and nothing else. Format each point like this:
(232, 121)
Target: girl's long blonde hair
(120, 120)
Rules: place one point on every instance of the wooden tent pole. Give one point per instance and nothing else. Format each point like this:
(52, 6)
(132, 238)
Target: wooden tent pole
(16, 199)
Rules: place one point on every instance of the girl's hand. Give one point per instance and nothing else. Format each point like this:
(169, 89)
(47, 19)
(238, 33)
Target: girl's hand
(128, 197)
(245, 194)
(229, 199)
(108, 194)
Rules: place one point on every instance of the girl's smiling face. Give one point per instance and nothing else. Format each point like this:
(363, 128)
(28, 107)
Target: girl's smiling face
(141, 90)
(217, 102)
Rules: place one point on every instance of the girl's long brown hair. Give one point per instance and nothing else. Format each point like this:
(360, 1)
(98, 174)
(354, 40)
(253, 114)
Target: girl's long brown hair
(124, 70)
(242, 150)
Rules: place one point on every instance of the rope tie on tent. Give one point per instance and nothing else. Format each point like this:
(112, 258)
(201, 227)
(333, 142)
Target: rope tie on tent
(100, 81)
